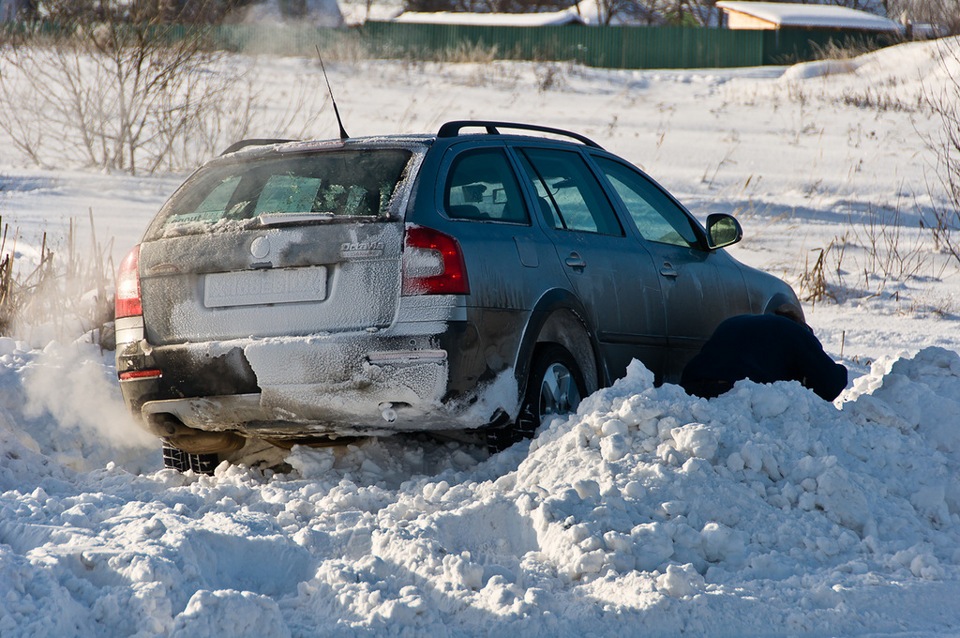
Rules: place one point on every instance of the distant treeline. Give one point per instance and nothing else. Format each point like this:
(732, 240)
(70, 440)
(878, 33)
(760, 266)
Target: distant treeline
(945, 13)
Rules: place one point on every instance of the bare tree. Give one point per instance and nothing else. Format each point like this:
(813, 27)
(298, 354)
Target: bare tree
(944, 14)
(163, 11)
(117, 93)
(945, 105)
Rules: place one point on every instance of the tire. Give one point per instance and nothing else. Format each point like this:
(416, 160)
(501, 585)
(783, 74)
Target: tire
(555, 386)
(177, 459)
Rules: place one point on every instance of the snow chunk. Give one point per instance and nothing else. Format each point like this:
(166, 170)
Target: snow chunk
(230, 613)
(697, 440)
(680, 581)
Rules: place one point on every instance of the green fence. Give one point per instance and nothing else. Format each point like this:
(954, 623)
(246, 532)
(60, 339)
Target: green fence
(610, 47)
(620, 47)
(787, 46)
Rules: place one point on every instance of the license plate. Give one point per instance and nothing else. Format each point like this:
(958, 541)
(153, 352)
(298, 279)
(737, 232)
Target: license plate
(260, 287)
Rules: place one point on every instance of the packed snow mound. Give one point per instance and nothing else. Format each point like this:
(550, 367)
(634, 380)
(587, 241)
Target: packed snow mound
(765, 510)
(818, 68)
(900, 74)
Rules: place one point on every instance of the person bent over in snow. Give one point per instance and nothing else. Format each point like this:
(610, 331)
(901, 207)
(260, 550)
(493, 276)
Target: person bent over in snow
(764, 349)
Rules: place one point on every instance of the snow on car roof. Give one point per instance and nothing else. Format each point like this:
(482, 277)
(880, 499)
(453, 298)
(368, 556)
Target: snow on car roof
(786, 14)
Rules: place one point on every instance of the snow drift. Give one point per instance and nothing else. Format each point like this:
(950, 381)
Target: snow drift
(765, 510)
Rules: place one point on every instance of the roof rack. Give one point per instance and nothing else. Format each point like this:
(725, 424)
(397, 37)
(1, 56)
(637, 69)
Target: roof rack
(236, 146)
(452, 129)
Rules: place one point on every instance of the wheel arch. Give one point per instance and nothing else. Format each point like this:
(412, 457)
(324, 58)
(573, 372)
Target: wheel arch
(559, 317)
(780, 299)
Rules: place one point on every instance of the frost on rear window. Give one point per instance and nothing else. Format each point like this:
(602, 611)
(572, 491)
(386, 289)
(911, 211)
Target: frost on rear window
(322, 187)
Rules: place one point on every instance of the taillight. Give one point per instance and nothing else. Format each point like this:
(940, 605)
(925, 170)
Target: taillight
(433, 264)
(139, 375)
(128, 286)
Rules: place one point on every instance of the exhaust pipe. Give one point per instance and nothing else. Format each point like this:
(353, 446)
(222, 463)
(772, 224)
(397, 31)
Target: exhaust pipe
(191, 441)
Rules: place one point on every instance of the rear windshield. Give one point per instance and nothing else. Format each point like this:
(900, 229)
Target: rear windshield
(321, 187)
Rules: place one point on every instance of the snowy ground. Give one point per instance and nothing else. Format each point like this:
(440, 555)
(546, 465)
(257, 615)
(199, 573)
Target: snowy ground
(765, 511)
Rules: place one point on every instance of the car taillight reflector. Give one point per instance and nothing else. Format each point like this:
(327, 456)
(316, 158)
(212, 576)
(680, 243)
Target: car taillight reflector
(132, 375)
(433, 264)
(128, 286)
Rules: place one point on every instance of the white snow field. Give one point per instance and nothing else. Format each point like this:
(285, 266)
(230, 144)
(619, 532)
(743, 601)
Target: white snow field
(766, 511)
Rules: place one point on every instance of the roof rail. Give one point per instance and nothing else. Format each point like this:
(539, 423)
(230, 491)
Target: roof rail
(236, 146)
(452, 129)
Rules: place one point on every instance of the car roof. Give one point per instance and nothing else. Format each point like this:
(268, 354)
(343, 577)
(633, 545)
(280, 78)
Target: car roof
(449, 130)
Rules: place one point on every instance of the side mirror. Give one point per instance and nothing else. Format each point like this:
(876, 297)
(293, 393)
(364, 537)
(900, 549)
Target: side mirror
(723, 230)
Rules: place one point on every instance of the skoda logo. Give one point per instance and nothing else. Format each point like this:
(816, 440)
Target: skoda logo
(260, 247)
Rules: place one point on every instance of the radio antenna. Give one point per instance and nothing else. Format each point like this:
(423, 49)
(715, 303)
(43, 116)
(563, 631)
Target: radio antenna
(336, 111)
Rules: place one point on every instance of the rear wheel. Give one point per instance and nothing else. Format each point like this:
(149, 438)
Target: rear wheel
(177, 459)
(555, 386)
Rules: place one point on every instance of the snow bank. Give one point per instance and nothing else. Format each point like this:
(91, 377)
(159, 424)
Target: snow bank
(763, 511)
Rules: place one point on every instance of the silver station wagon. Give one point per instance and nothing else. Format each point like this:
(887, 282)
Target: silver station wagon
(481, 278)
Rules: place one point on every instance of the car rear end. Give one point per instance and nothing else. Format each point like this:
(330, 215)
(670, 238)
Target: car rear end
(280, 294)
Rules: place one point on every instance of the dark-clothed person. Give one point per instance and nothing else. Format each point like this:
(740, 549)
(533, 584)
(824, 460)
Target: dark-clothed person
(764, 349)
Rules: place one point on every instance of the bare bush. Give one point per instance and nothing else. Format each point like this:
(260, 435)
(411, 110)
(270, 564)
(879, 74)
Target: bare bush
(877, 252)
(550, 76)
(172, 11)
(890, 251)
(120, 95)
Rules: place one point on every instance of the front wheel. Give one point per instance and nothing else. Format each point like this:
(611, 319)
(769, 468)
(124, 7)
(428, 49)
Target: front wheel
(555, 386)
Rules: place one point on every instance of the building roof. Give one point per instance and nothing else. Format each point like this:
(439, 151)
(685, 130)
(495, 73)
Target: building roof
(554, 18)
(787, 14)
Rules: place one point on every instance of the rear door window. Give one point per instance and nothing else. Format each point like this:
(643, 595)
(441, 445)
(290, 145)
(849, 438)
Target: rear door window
(481, 185)
(569, 195)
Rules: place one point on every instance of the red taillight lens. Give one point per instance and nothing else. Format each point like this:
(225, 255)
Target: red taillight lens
(433, 264)
(128, 286)
(137, 375)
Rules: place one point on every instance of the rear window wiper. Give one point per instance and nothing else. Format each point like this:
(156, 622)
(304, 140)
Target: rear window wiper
(273, 219)
(277, 219)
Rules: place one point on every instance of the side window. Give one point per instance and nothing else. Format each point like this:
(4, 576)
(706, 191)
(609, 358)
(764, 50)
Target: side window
(570, 197)
(481, 185)
(656, 216)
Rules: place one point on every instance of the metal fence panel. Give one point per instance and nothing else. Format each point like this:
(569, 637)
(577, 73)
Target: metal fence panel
(611, 47)
(791, 45)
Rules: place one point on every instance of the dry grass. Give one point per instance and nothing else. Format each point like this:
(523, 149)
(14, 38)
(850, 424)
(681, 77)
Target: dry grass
(813, 286)
(65, 295)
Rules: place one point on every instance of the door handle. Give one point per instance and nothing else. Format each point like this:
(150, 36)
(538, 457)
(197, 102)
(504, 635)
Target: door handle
(667, 270)
(575, 261)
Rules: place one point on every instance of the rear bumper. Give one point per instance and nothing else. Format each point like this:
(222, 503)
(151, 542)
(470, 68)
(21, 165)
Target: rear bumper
(289, 388)
(290, 384)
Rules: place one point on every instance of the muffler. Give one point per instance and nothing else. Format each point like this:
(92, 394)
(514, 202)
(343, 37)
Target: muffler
(174, 432)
